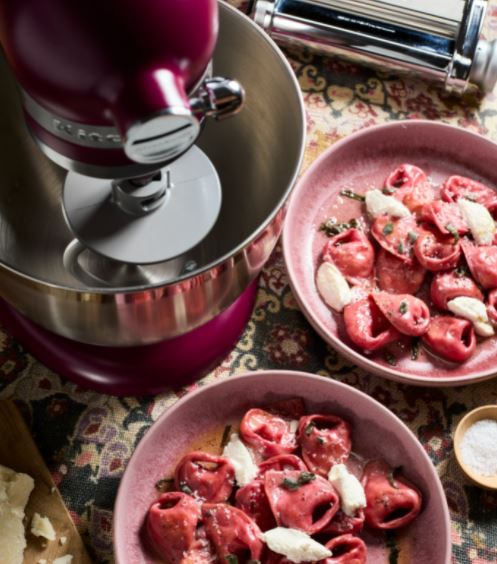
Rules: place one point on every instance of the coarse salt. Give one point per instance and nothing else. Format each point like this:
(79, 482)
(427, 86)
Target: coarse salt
(479, 447)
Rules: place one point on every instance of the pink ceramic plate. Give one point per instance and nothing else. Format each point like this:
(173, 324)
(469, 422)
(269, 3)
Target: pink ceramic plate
(359, 163)
(375, 433)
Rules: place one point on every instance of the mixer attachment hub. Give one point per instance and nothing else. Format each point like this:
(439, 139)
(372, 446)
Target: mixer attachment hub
(140, 196)
(149, 219)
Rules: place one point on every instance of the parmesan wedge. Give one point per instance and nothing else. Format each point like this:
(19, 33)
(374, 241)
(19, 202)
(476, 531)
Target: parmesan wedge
(332, 286)
(378, 204)
(475, 311)
(42, 527)
(15, 490)
(479, 221)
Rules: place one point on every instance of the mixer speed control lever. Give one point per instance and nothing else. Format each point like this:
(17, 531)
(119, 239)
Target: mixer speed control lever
(218, 97)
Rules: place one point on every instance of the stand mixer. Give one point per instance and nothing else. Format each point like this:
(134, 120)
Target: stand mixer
(136, 269)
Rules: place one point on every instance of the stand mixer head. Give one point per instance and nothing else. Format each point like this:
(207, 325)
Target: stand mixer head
(118, 101)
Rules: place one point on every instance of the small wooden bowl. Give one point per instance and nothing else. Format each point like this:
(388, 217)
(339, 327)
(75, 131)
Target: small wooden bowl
(484, 412)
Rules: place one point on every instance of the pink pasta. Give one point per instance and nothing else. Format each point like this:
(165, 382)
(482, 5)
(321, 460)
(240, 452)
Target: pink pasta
(404, 264)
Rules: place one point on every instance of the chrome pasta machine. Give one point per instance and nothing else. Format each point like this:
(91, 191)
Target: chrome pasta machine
(438, 40)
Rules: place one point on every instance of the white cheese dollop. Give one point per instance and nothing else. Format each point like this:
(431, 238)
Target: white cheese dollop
(333, 287)
(351, 492)
(479, 221)
(295, 545)
(475, 311)
(378, 204)
(294, 425)
(243, 463)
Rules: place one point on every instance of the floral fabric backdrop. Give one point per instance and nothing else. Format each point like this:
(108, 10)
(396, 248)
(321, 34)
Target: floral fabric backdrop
(87, 438)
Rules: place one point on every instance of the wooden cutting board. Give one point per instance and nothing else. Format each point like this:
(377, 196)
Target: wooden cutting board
(18, 451)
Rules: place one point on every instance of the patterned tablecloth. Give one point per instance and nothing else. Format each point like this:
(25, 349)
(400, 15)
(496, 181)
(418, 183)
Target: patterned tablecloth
(86, 438)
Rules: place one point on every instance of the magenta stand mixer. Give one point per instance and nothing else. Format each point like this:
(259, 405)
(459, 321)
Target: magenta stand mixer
(134, 218)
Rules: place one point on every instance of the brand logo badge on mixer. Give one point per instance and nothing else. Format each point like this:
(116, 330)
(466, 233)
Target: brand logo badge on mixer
(87, 136)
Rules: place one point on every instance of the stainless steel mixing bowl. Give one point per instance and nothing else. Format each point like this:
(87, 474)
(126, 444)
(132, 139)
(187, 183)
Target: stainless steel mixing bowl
(49, 277)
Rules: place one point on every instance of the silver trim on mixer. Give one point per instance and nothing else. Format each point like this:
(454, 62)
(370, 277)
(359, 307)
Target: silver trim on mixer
(94, 136)
(101, 137)
(124, 171)
(162, 136)
(159, 138)
(169, 133)
(218, 98)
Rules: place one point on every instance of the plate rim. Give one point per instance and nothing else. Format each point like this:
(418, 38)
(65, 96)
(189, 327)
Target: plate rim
(277, 374)
(348, 352)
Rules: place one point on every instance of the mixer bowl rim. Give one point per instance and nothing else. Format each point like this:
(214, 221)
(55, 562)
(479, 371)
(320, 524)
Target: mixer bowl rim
(241, 246)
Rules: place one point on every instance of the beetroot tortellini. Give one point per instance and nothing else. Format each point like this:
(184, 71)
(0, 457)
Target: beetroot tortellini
(206, 476)
(301, 500)
(409, 315)
(436, 252)
(451, 284)
(482, 262)
(394, 235)
(172, 525)
(325, 441)
(342, 524)
(366, 325)
(352, 253)
(232, 532)
(451, 338)
(457, 187)
(291, 505)
(392, 501)
(282, 462)
(397, 277)
(492, 306)
(393, 267)
(446, 217)
(408, 183)
(267, 434)
(346, 549)
(406, 177)
(252, 499)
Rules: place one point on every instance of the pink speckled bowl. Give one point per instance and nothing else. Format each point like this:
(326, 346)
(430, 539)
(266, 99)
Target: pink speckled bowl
(376, 432)
(359, 163)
